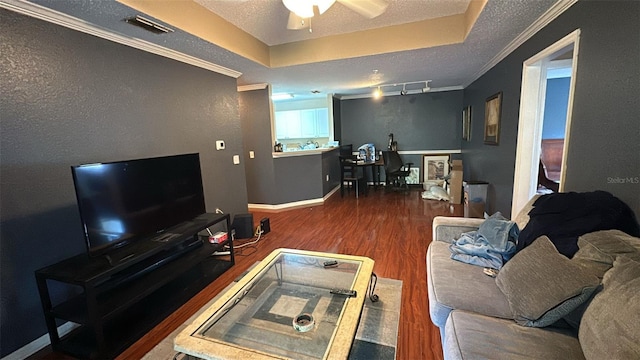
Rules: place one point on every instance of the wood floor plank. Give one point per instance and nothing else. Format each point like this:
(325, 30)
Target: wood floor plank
(392, 228)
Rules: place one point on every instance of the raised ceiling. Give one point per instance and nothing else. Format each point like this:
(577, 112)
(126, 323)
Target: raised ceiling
(450, 42)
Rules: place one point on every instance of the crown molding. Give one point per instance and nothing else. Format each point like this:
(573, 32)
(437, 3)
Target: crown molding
(250, 87)
(58, 18)
(551, 14)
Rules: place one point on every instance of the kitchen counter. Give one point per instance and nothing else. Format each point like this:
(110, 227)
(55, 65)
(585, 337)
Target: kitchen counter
(302, 152)
(300, 178)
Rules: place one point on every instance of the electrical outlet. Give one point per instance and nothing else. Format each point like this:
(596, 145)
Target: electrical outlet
(252, 154)
(236, 159)
(219, 144)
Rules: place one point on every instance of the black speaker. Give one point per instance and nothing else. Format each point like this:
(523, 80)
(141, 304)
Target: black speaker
(265, 226)
(243, 225)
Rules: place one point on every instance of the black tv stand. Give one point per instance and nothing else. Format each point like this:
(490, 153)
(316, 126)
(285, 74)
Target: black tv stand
(117, 299)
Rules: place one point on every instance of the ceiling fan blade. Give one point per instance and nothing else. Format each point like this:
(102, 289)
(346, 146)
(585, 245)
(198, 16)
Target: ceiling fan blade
(295, 22)
(366, 8)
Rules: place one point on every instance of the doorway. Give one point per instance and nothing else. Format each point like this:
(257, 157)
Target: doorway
(563, 53)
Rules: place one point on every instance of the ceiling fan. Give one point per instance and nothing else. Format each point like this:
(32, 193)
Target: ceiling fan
(302, 10)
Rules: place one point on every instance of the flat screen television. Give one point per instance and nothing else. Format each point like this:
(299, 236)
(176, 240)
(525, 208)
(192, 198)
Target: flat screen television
(126, 201)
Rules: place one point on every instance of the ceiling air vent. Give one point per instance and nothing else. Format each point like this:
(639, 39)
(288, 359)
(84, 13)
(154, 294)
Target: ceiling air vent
(148, 24)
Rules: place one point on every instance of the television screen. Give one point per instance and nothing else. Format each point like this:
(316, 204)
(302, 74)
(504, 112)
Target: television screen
(125, 201)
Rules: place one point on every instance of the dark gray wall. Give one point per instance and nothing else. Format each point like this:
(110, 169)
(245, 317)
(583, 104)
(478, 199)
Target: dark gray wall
(430, 121)
(298, 178)
(275, 181)
(255, 115)
(331, 168)
(337, 124)
(604, 151)
(69, 98)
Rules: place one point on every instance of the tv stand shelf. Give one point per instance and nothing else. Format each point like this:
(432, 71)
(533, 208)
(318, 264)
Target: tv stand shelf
(115, 303)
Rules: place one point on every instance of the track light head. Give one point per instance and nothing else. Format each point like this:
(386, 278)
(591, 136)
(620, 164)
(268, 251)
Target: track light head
(403, 92)
(377, 92)
(426, 87)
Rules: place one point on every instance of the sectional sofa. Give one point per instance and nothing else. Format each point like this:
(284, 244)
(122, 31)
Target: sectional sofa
(541, 304)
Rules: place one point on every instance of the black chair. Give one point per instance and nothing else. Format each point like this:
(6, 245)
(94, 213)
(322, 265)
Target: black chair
(346, 150)
(351, 176)
(543, 180)
(396, 171)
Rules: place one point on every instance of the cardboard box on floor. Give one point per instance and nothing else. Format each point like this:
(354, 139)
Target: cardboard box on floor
(455, 182)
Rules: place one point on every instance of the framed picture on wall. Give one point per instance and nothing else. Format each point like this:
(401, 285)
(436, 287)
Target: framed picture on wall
(492, 114)
(466, 123)
(436, 167)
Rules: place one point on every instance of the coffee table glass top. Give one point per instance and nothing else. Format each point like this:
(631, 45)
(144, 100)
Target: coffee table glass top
(255, 318)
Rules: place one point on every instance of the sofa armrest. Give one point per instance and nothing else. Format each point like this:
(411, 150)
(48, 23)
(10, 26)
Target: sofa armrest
(447, 228)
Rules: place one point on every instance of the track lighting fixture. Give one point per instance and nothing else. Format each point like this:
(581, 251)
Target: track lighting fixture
(377, 92)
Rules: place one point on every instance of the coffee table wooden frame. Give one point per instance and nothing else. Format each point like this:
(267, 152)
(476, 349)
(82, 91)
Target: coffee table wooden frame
(189, 342)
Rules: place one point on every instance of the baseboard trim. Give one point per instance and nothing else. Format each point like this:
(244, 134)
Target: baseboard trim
(292, 205)
(39, 343)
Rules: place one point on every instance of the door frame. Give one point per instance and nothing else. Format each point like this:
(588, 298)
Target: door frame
(532, 99)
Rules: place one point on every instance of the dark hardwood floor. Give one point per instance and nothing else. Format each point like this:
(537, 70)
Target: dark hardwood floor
(392, 228)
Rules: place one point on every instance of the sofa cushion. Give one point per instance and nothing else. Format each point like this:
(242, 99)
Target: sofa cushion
(522, 218)
(599, 249)
(610, 327)
(542, 285)
(474, 336)
(597, 252)
(456, 285)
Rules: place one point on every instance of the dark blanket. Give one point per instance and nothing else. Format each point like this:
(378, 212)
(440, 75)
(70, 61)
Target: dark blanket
(563, 217)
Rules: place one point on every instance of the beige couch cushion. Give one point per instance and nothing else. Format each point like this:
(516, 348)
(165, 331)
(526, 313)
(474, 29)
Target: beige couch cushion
(473, 336)
(523, 216)
(542, 285)
(610, 327)
(599, 249)
(456, 285)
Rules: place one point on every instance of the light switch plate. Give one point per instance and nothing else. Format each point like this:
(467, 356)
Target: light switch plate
(236, 159)
(252, 154)
(219, 144)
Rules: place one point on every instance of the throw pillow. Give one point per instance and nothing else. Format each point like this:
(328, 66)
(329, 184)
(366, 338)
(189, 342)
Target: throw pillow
(597, 253)
(602, 247)
(610, 327)
(541, 285)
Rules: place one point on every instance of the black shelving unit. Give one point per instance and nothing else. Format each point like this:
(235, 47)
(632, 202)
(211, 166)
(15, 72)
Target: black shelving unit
(115, 303)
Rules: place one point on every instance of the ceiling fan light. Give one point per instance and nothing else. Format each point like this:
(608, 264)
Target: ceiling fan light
(323, 5)
(302, 8)
(295, 22)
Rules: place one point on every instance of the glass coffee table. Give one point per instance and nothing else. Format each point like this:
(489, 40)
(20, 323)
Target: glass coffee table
(283, 308)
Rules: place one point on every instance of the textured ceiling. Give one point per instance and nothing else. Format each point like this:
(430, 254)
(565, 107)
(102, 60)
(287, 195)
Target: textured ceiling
(448, 66)
(267, 20)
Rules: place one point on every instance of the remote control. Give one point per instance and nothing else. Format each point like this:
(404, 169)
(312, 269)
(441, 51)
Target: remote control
(344, 292)
(330, 263)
